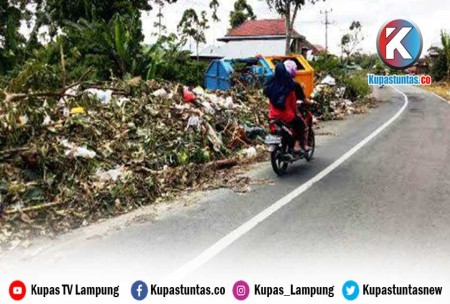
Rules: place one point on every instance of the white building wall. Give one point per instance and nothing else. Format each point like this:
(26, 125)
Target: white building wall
(251, 48)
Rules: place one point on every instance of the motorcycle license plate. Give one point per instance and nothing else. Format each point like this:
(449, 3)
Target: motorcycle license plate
(271, 148)
(273, 140)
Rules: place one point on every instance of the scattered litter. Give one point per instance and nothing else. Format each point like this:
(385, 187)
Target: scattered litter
(199, 91)
(331, 104)
(214, 138)
(214, 98)
(160, 93)
(209, 109)
(65, 112)
(122, 100)
(77, 110)
(194, 122)
(64, 172)
(23, 120)
(47, 120)
(328, 80)
(341, 91)
(229, 103)
(111, 175)
(103, 96)
(250, 152)
(75, 151)
(347, 102)
(73, 91)
(188, 95)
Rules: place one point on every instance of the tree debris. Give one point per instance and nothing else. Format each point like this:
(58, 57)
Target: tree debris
(95, 150)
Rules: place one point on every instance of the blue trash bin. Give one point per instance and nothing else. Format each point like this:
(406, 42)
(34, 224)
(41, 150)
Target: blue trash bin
(219, 74)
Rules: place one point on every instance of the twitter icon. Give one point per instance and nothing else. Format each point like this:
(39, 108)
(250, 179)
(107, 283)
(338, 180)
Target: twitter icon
(350, 290)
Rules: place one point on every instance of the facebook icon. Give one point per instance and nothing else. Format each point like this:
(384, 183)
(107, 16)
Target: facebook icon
(139, 290)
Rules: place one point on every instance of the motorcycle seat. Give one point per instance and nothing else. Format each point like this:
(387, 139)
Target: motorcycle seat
(280, 123)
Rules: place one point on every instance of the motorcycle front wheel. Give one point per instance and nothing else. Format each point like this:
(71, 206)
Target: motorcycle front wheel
(312, 144)
(278, 164)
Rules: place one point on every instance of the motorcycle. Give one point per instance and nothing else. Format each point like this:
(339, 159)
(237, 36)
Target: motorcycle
(281, 142)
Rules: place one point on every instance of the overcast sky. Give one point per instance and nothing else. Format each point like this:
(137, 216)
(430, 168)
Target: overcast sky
(429, 15)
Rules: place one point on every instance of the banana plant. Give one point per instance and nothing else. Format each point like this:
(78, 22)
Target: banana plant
(119, 39)
(155, 55)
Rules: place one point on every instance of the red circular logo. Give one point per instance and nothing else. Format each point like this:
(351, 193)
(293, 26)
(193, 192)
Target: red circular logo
(17, 290)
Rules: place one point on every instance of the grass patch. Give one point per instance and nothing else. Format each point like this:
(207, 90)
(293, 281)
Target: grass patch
(441, 88)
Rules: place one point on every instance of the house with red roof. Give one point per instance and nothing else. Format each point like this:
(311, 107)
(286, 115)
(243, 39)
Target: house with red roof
(259, 29)
(257, 37)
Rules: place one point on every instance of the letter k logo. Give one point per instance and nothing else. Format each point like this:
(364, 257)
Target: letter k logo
(399, 44)
(396, 43)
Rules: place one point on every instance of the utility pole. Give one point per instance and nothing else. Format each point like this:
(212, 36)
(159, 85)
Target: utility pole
(327, 24)
(158, 25)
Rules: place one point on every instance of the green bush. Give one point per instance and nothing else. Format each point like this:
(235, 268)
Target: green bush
(327, 65)
(439, 70)
(356, 86)
(189, 72)
(176, 64)
(4, 80)
(367, 61)
(105, 50)
(36, 75)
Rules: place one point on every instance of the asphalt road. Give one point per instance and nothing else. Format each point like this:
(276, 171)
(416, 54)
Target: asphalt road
(385, 211)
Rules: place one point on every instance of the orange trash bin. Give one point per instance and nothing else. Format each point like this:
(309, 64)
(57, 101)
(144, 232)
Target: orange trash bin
(305, 73)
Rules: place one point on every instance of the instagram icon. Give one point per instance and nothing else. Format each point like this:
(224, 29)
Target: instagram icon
(241, 290)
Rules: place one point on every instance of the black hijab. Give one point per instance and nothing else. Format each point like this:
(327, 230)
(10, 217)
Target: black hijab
(279, 86)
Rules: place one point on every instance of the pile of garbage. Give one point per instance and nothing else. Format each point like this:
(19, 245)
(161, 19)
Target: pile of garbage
(331, 104)
(101, 150)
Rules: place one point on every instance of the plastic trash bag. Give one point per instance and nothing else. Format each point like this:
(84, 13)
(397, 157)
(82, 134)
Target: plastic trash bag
(160, 93)
(328, 80)
(194, 122)
(111, 175)
(75, 151)
(188, 95)
(104, 97)
(250, 152)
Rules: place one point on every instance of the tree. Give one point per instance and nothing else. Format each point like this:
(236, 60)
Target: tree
(367, 61)
(54, 15)
(192, 26)
(441, 68)
(73, 10)
(214, 5)
(108, 46)
(350, 42)
(12, 43)
(177, 65)
(242, 12)
(289, 10)
(445, 52)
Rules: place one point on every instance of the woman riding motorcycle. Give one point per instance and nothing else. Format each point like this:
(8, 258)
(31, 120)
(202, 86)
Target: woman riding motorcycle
(281, 91)
(302, 100)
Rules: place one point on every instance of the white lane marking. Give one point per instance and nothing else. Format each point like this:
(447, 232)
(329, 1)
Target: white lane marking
(230, 238)
(442, 98)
